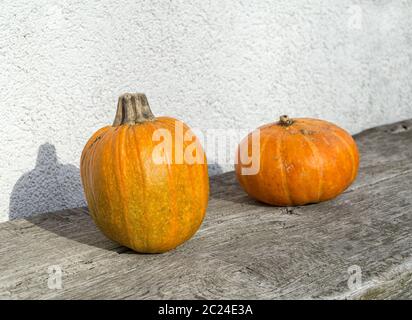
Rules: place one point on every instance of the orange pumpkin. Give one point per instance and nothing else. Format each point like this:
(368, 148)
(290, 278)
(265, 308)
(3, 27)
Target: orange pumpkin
(300, 161)
(137, 201)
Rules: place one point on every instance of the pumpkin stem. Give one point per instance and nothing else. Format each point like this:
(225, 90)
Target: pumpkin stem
(132, 108)
(285, 121)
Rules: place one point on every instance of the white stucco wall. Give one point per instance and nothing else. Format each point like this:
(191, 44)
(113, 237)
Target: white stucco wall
(213, 64)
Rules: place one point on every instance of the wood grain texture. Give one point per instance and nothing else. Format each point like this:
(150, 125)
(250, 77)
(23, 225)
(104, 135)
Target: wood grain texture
(244, 249)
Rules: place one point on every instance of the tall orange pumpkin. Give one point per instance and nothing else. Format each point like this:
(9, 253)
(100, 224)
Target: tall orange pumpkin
(142, 203)
(300, 161)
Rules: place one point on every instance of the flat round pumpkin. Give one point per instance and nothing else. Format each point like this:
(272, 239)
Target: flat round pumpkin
(301, 161)
(146, 205)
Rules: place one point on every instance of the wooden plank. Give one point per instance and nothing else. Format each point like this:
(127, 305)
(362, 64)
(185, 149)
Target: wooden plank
(244, 249)
(397, 287)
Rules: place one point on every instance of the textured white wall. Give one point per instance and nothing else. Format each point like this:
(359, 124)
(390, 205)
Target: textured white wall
(220, 64)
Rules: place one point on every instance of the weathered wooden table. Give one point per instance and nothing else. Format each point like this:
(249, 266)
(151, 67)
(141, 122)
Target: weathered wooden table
(356, 246)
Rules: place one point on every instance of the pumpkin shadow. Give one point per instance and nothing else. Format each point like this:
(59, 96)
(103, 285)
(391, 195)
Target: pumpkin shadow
(226, 187)
(50, 186)
(77, 225)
